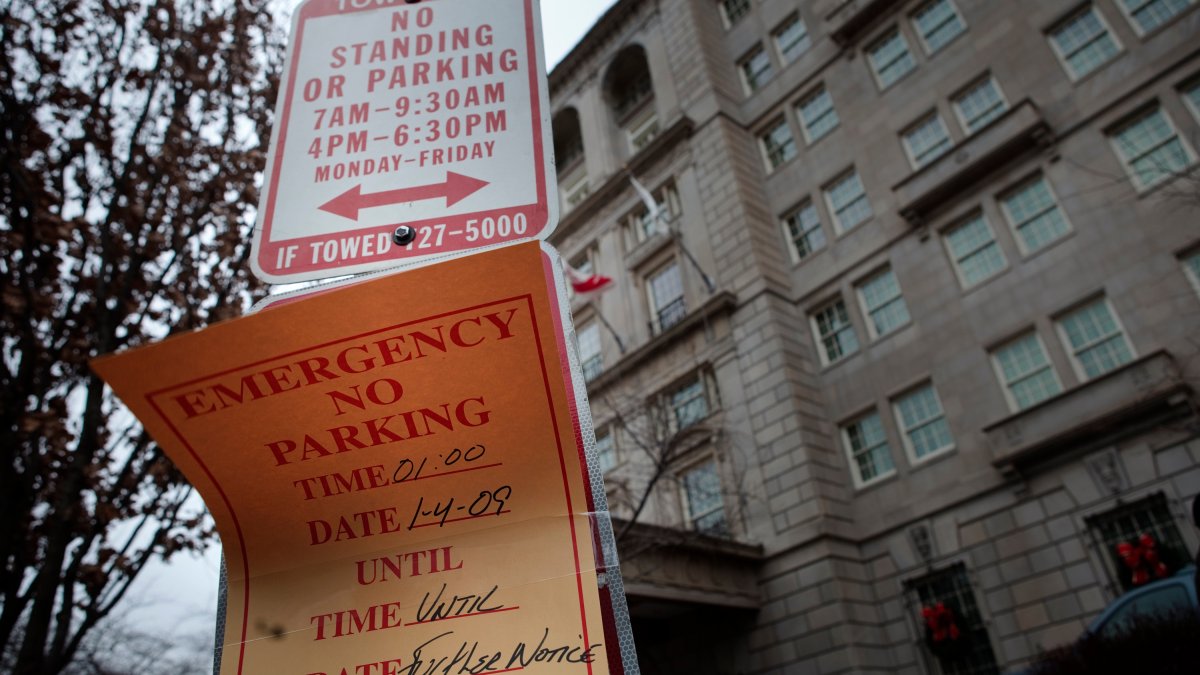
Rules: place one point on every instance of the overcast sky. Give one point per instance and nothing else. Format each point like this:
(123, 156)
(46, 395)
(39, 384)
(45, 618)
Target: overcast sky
(181, 598)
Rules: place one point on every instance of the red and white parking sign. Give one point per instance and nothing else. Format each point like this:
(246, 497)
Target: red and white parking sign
(431, 114)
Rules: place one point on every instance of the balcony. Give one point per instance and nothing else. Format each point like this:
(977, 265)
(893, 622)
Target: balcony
(668, 315)
(1005, 138)
(1139, 395)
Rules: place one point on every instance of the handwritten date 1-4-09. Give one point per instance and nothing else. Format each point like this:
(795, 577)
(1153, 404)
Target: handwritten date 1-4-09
(440, 512)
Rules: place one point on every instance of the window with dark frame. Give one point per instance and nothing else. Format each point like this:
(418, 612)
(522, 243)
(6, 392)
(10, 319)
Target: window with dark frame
(791, 39)
(606, 449)
(943, 597)
(756, 69)
(689, 402)
(732, 11)
(668, 306)
(1130, 524)
(703, 499)
(591, 357)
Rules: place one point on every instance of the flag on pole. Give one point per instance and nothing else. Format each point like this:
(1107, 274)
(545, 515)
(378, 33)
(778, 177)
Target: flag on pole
(588, 286)
(654, 211)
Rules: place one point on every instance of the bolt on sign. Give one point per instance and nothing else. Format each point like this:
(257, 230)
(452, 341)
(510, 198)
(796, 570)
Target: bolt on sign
(400, 479)
(432, 115)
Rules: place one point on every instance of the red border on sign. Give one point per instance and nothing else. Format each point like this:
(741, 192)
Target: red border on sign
(538, 212)
(543, 365)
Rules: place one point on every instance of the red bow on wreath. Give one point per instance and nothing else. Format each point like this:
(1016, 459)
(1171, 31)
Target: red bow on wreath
(940, 622)
(1142, 559)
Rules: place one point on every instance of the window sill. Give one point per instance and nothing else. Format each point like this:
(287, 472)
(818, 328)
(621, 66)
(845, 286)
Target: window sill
(1026, 256)
(1192, 170)
(879, 339)
(932, 458)
(827, 366)
(874, 483)
(1095, 72)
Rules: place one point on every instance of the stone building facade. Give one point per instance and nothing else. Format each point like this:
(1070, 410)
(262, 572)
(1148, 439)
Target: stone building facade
(919, 324)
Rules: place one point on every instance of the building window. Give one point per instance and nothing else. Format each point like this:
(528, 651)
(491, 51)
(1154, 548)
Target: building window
(923, 423)
(591, 360)
(1025, 372)
(1146, 15)
(890, 58)
(575, 189)
(835, 333)
(979, 104)
(791, 39)
(667, 305)
(938, 23)
(977, 257)
(638, 90)
(606, 450)
(1128, 524)
(847, 201)
(802, 228)
(732, 11)
(949, 590)
(689, 402)
(1095, 339)
(569, 152)
(755, 69)
(777, 144)
(1191, 95)
(703, 502)
(883, 304)
(867, 446)
(1034, 214)
(642, 129)
(1151, 149)
(817, 116)
(927, 140)
(1191, 266)
(629, 89)
(1084, 42)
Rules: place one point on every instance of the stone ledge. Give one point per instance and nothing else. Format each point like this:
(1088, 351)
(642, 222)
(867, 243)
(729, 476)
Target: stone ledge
(1143, 392)
(971, 161)
(663, 563)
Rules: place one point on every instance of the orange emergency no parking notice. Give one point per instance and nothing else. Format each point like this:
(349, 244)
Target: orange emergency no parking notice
(396, 473)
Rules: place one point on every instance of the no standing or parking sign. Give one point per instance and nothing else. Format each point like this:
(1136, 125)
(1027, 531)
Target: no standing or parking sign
(429, 114)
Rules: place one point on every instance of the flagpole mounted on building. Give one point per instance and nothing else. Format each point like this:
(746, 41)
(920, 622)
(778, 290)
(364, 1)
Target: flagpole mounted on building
(661, 218)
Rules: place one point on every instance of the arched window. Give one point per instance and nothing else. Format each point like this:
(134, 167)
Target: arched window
(568, 140)
(630, 94)
(568, 158)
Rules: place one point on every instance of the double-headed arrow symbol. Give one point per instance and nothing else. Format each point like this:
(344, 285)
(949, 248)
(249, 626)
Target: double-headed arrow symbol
(456, 188)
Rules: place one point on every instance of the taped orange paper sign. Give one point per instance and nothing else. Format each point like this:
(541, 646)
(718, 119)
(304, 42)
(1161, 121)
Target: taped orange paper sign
(396, 473)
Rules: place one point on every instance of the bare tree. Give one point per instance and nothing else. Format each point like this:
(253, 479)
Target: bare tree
(659, 442)
(131, 143)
